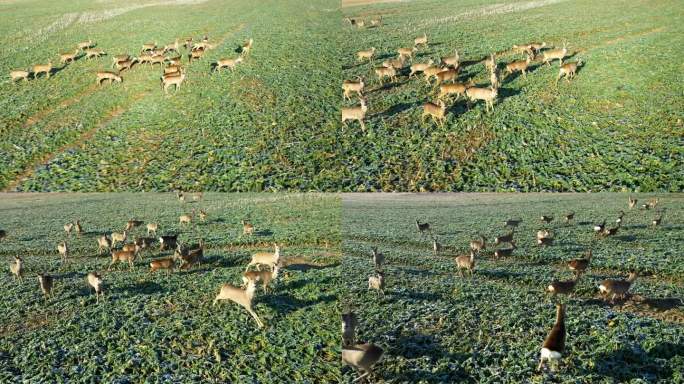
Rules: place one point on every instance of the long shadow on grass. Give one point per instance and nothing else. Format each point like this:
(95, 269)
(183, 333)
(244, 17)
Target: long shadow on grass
(146, 287)
(396, 109)
(633, 362)
(306, 267)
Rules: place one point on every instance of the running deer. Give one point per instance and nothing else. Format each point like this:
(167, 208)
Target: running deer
(568, 70)
(90, 53)
(123, 257)
(247, 47)
(68, 227)
(423, 227)
(518, 65)
(436, 111)
(195, 54)
(349, 324)
(569, 216)
(148, 47)
(227, 63)
(479, 244)
(504, 238)
(505, 252)
(165, 263)
(172, 47)
(19, 74)
(106, 75)
(615, 288)
(46, 283)
(397, 64)
(552, 54)
(42, 68)
(554, 344)
(186, 219)
(488, 95)
(95, 281)
(357, 113)
(349, 86)
(125, 64)
(65, 58)
(17, 268)
(103, 243)
(452, 61)
(265, 258)
(377, 282)
(407, 53)
(382, 72)
(362, 357)
(632, 202)
(447, 75)
(84, 45)
(466, 262)
(118, 237)
(241, 297)
(367, 54)
(431, 72)
(378, 259)
(421, 40)
(581, 265)
(168, 242)
(490, 63)
(513, 223)
(152, 228)
(264, 276)
(420, 67)
(117, 58)
(458, 89)
(563, 287)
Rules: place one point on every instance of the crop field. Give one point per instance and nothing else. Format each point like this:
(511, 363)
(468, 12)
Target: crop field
(617, 126)
(163, 328)
(265, 126)
(437, 327)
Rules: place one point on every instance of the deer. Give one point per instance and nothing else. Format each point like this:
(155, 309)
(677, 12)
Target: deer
(452, 61)
(68, 227)
(228, 63)
(546, 219)
(382, 72)
(95, 281)
(607, 232)
(488, 95)
(164, 263)
(621, 216)
(616, 288)
(563, 287)
(175, 80)
(189, 257)
(147, 47)
(65, 58)
(378, 259)
(568, 70)
(505, 252)
(131, 224)
(581, 265)
(479, 244)
(168, 242)
(125, 64)
(658, 219)
(186, 219)
(431, 72)
(96, 53)
(508, 238)
(535, 48)
(490, 63)
(494, 78)
(632, 202)
(407, 52)
(172, 70)
(421, 40)
(122, 256)
(554, 344)
(172, 47)
(84, 45)
(157, 60)
(446, 75)
(349, 86)
(42, 68)
(175, 60)
(152, 228)
(362, 357)
(466, 262)
(436, 247)
(397, 63)
(357, 113)
(598, 228)
(247, 228)
(569, 216)
(420, 67)
(423, 227)
(46, 283)
(436, 111)
(247, 47)
(367, 54)
(103, 243)
(17, 268)
(117, 58)
(552, 54)
(3, 234)
(376, 21)
(264, 276)
(19, 74)
(63, 250)
(265, 258)
(458, 89)
(143, 243)
(118, 237)
(518, 65)
(349, 324)
(242, 297)
(106, 75)
(195, 54)
(377, 282)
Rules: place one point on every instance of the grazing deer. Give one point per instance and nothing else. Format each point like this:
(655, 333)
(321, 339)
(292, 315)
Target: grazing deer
(247, 47)
(382, 72)
(165, 263)
(19, 74)
(265, 258)
(84, 45)
(362, 357)
(458, 89)
(63, 250)
(241, 297)
(65, 58)
(95, 281)
(106, 75)
(488, 95)
(90, 53)
(466, 262)
(552, 54)
(554, 344)
(420, 67)
(518, 65)
(186, 219)
(378, 259)
(357, 113)
(46, 283)
(122, 256)
(349, 324)
(103, 243)
(452, 61)
(617, 288)
(168, 242)
(152, 228)
(175, 80)
(17, 268)
(632, 202)
(407, 52)
(421, 40)
(479, 244)
(377, 282)
(349, 86)
(436, 111)
(367, 54)
(247, 228)
(42, 68)
(568, 70)
(118, 237)
(228, 63)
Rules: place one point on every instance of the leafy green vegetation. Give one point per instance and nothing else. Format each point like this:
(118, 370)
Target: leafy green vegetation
(438, 327)
(159, 328)
(617, 126)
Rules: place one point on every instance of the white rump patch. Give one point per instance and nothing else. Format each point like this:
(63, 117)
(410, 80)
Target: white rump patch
(549, 354)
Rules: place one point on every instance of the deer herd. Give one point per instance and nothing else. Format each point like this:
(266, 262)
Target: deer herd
(363, 356)
(445, 74)
(128, 249)
(173, 73)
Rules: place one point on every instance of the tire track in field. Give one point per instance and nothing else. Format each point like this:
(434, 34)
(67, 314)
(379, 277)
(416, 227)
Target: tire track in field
(42, 114)
(30, 169)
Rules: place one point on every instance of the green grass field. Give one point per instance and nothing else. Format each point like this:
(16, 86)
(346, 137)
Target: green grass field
(267, 126)
(158, 328)
(438, 327)
(617, 126)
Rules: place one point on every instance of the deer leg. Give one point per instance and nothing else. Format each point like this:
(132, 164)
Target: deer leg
(256, 318)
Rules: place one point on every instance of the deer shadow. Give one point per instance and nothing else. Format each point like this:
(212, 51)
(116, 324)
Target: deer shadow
(306, 267)
(285, 304)
(146, 287)
(263, 232)
(396, 109)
